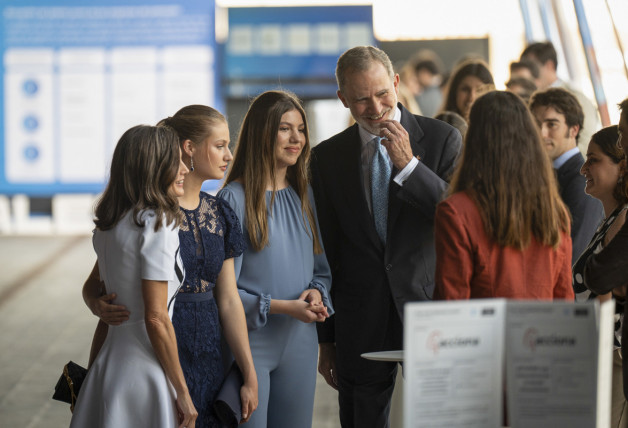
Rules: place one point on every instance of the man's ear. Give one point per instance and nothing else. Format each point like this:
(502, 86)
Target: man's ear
(396, 83)
(342, 98)
(573, 131)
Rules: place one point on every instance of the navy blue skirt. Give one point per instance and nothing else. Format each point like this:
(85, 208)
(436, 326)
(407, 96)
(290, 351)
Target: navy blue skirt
(197, 327)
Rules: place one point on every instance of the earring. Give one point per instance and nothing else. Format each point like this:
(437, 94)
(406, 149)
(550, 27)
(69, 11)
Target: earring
(191, 164)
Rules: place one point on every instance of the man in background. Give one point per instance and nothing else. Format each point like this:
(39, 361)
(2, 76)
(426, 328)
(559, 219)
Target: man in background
(428, 70)
(544, 55)
(560, 117)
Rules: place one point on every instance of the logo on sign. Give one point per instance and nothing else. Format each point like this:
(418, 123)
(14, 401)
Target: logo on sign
(533, 340)
(436, 341)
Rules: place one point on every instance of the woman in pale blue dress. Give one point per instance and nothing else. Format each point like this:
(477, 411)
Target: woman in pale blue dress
(136, 379)
(283, 276)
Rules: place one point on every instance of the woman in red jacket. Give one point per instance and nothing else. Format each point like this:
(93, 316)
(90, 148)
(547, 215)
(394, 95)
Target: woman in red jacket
(504, 230)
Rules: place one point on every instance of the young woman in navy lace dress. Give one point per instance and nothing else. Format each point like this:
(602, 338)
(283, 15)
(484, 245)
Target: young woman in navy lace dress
(210, 236)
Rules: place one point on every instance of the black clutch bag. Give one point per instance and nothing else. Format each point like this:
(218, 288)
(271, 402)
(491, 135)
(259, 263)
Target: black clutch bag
(228, 406)
(69, 384)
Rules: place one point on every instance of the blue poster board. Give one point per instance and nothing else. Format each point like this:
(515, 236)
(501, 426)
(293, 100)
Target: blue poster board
(74, 75)
(291, 47)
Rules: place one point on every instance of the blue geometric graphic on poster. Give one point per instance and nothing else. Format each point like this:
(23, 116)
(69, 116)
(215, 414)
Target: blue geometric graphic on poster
(74, 75)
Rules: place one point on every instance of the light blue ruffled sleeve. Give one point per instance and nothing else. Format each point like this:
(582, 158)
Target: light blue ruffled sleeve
(256, 306)
(322, 274)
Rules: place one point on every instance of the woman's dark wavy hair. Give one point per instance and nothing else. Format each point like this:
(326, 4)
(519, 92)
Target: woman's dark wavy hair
(470, 67)
(254, 164)
(506, 171)
(606, 140)
(145, 163)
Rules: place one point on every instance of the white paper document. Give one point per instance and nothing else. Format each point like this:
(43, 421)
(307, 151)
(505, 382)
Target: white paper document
(452, 364)
(558, 365)
(551, 362)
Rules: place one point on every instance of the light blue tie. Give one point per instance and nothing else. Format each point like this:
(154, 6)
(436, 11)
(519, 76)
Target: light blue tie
(380, 179)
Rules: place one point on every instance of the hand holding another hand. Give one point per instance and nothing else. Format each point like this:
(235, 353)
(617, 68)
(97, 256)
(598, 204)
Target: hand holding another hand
(304, 311)
(314, 298)
(308, 307)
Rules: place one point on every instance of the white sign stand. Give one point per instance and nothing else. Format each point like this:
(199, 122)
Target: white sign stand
(552, 360)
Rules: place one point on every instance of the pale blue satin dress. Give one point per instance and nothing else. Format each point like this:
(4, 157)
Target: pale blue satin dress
(126, 385)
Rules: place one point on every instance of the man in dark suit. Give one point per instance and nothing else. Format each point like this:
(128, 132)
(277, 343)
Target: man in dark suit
(560, 118)
(378, 235)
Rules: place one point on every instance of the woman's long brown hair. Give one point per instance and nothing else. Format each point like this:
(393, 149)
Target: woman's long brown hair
(505, 169)
(471, 67)
(254, 165)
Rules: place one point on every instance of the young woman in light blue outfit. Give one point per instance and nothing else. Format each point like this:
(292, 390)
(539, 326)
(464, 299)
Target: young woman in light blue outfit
(283, 276)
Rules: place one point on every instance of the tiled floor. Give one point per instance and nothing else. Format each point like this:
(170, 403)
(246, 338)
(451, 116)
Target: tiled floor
(44, 323)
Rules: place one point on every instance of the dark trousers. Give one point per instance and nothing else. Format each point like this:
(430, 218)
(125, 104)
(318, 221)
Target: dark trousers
(365, 387)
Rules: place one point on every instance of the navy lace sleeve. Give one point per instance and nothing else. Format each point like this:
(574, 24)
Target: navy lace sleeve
(234, 241)
(209, 234)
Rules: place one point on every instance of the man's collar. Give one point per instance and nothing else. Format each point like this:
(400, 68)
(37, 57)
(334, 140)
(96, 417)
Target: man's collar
(560, 160)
